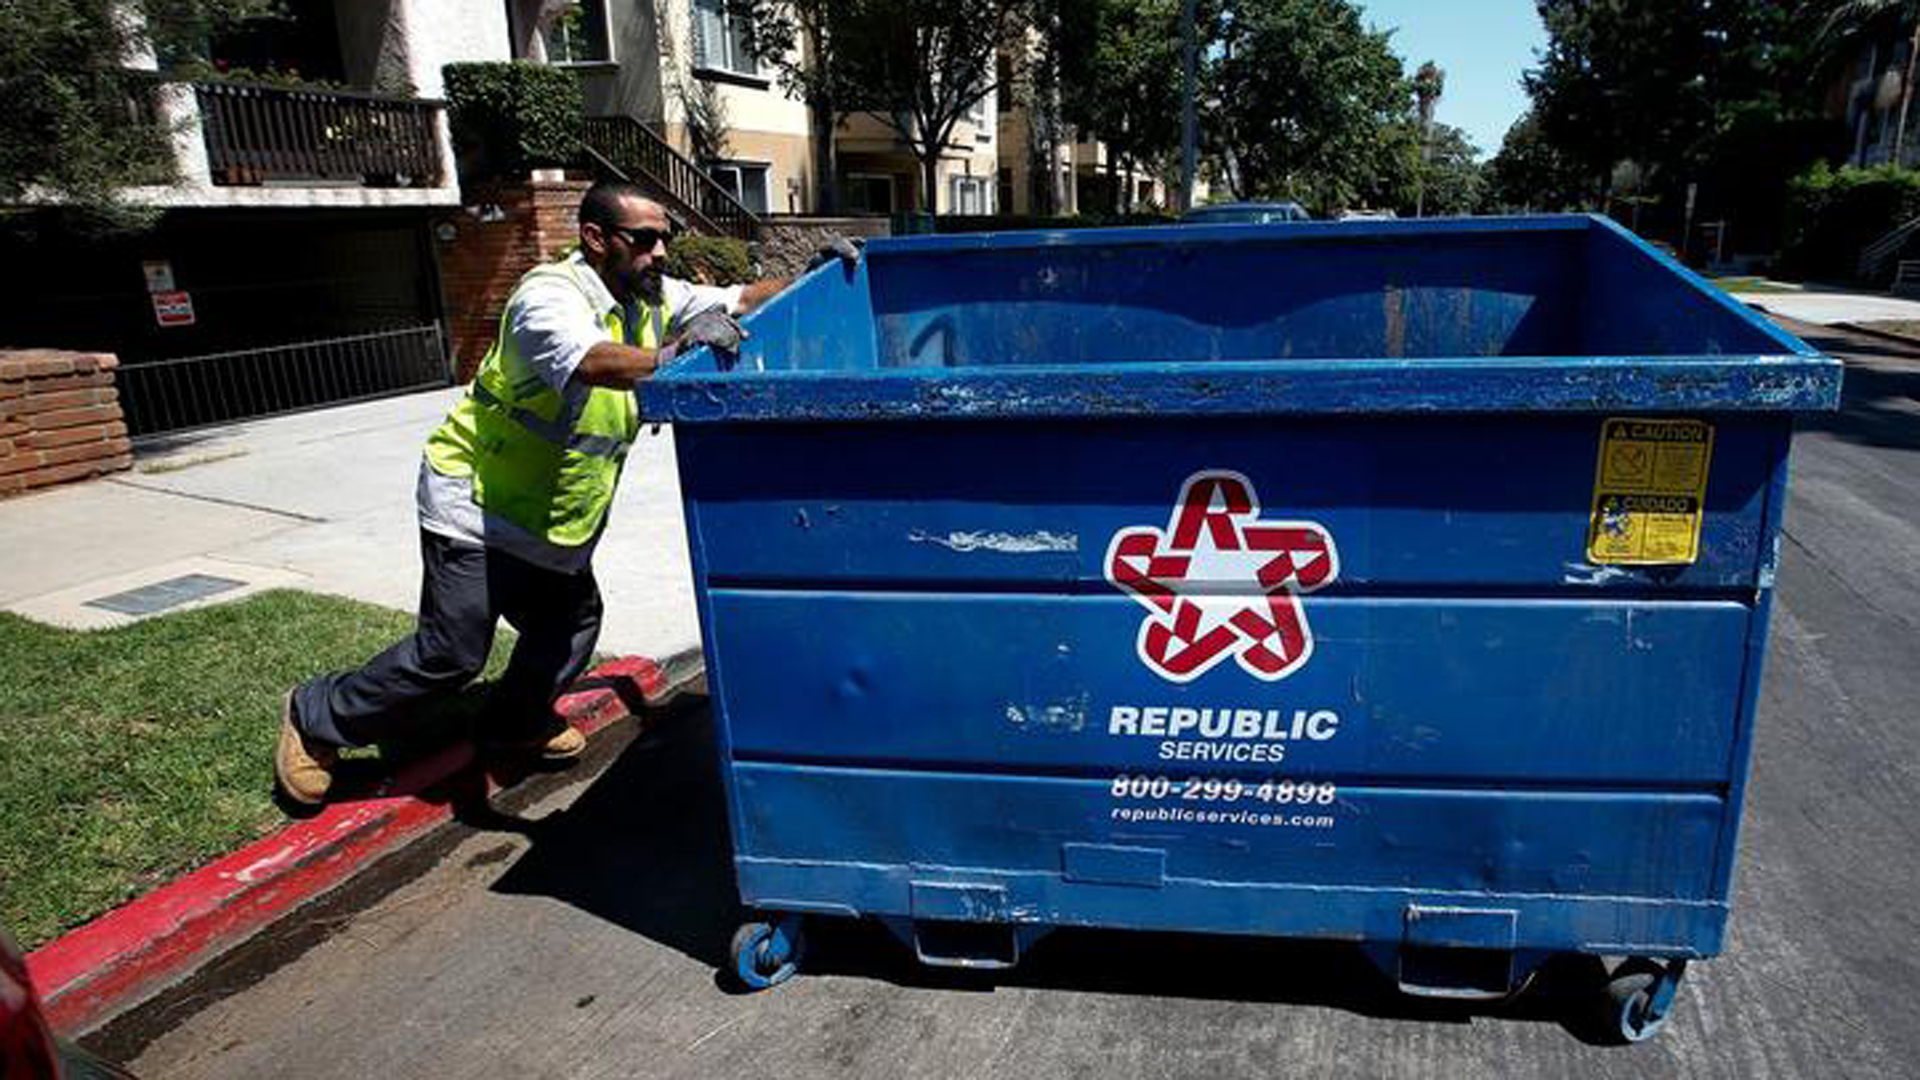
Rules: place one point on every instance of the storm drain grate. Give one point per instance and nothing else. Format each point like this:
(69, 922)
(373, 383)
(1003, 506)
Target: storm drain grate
(162, 595)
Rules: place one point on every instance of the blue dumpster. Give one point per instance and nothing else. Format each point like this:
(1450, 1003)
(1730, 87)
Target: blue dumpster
(1403, 583)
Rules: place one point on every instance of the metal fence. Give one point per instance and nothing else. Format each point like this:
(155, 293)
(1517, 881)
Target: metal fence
(195, 391)
(257, 134)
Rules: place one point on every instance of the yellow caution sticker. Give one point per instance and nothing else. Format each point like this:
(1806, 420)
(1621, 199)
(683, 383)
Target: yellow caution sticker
(1649, 488)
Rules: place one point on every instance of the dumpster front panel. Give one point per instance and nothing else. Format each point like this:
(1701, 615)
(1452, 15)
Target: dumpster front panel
(939, 671)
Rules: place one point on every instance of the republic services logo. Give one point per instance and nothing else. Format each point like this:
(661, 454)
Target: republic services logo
(1220, 582)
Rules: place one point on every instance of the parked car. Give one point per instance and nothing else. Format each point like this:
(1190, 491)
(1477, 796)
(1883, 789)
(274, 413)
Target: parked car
(1245, 213)
(29, 1050)
(1365, 215)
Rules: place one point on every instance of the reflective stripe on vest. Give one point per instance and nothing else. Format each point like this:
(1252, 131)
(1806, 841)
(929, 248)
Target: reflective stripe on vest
(556, 432)
(545, 460)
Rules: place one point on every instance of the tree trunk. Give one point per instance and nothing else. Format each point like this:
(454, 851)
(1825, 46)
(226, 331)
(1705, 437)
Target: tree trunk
(929, 182)
(826, 170)
(1906, 93)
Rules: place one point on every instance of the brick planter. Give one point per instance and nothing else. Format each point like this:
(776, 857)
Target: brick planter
(59, 419)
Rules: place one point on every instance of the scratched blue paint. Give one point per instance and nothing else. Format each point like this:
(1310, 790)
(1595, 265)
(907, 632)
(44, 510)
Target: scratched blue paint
(901, 500)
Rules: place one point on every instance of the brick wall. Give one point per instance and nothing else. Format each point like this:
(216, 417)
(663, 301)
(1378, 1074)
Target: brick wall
(59, 419)
(483, 260)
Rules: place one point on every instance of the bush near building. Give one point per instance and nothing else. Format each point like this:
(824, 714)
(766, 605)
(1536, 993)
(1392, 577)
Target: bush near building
(710, 260)
(510, 117)
(1831, 214)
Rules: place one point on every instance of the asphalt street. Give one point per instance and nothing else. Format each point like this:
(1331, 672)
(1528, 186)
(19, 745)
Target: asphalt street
(579, 935)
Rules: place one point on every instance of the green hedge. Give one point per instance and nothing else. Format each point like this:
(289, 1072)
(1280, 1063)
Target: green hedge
(1832, 214)
(715, 260)
(513, 116)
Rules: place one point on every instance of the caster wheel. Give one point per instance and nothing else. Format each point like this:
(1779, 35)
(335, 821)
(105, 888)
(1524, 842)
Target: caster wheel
(767, 954)
(1633, 1012)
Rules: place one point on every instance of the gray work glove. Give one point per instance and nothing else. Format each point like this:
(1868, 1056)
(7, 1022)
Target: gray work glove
(713, 328)
(847, 251)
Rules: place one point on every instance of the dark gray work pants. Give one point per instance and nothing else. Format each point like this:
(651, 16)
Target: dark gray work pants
(464, 591)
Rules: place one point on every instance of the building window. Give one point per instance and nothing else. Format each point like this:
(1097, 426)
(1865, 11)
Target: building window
(969, 195)
(721, 39)
(869, 193)
(578, 35)
(745, 181)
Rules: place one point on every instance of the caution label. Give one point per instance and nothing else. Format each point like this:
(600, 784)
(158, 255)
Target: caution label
(1649, 488)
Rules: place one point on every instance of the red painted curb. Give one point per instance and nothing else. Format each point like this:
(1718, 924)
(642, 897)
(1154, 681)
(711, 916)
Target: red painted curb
(100, 969)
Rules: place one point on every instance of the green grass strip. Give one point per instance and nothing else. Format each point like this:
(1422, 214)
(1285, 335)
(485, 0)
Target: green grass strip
(132, 755)
(1756, 285)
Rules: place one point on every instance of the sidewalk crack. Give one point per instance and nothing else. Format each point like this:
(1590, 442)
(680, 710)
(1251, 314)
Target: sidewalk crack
(236, 503)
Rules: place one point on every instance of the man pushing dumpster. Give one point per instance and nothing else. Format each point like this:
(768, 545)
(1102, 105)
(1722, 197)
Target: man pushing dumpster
(514, 490)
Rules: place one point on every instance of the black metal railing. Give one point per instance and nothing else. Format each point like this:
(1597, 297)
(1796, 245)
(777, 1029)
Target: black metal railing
(195, 391)
(260, 134)
(647, 159)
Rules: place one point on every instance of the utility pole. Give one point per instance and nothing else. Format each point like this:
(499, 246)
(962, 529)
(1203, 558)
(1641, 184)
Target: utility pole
(1189, 122)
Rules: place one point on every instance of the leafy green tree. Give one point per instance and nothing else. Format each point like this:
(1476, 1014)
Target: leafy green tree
(1451, 174)
(78, 127)
(1662, 85)
(802, 40)
(1305, 101)
(1530, 173)
(922, 65)
(1120, 76)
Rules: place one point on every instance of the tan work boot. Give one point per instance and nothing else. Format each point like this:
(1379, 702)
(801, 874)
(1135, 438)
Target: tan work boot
(303, 766)
(563, 745)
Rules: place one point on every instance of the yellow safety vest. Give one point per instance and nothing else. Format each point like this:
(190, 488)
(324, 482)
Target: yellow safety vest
(550, 473)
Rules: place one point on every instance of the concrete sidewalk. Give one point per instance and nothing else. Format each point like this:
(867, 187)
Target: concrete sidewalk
(321, 501)
(1833, 307)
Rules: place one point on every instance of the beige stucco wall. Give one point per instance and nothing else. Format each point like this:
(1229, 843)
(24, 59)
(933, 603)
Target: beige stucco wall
(868, 145)
(629, 84)
(1014, 139)
(440, 32)
(788, 158)
(753, 105)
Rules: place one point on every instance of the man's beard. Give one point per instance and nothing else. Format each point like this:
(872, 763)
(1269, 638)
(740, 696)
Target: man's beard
(646, 284)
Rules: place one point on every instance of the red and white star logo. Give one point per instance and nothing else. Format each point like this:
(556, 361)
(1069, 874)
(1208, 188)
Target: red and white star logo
(1220, 582)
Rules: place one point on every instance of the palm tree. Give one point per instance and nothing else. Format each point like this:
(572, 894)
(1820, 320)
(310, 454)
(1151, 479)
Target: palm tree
(1855, 21)
(1428, 84)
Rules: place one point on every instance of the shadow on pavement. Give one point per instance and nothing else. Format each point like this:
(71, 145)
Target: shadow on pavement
(646, 848)
(1880, 399)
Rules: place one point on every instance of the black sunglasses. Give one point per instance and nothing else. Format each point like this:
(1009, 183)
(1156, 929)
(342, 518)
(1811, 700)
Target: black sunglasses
(640, 239)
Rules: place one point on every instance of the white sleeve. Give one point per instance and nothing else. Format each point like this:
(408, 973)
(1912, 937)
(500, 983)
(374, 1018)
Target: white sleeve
(685, 299)
(553, 326)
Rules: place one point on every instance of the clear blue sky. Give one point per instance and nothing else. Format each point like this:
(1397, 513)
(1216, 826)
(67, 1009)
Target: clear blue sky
(1483, 45)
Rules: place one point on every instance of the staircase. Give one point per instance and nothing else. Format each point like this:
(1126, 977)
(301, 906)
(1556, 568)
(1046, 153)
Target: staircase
(1875, 256)
(625, 148)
